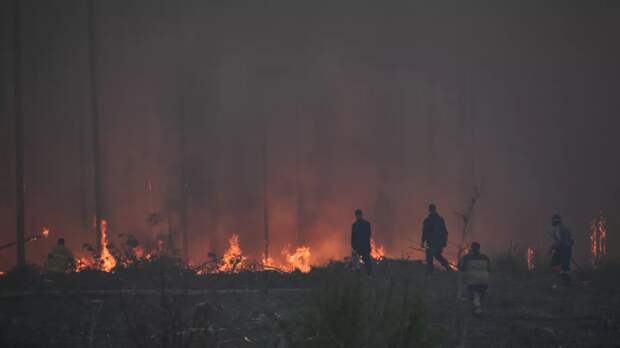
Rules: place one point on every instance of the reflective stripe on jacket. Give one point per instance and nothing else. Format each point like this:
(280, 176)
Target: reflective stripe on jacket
(59, 260)
(477, 272)
(476, 268)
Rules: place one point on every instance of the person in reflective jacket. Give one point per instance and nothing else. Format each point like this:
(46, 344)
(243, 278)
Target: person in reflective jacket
(476, 268)
(60, 259)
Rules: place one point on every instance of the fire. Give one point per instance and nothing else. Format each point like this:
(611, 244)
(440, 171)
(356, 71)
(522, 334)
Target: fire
(233, 257)
(139, 252)
(106, 259)
(376, 252)
(83, 263)
(530, 258)
(598, 239)
(300, 259)
(45, 232)
(268, 262)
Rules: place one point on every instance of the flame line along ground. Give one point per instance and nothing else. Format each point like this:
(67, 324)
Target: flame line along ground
(13, 294)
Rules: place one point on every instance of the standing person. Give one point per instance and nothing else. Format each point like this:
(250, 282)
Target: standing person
(562, 247)
(477, 268)
(360, 241)
(434, 239)
(60, 259)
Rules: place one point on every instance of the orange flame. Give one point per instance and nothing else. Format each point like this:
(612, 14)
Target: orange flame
(299, 260)
(268, 262)
(45, 232)
(598, 239)
(83, 263)
(376, 252)
(107, 260)
(530, 258)
(233, 256)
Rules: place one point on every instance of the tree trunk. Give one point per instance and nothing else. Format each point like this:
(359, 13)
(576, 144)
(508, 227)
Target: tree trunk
(95, 124)
(19, 142)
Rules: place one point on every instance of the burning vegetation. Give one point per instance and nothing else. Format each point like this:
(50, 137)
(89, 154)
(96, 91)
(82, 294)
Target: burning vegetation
(598, 239)
(376, 252)
(233, 257)
(106, 259)
(530, 258)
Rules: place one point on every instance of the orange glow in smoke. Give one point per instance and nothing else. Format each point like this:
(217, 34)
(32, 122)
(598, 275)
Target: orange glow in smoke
(233, 257)
(598, 239)
(299, 260)
(106, 259)
(45, 232)
(376, 252)
(530, 258)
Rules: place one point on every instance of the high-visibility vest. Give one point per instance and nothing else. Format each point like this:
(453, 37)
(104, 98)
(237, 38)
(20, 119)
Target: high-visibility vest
(477, 271)
(59, 260)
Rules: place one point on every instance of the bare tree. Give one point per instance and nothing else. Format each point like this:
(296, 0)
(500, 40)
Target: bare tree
(467, 218)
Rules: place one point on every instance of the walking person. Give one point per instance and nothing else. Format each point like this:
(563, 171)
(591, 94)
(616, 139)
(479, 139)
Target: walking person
(434, 239)
(562, 247)
(477, 269)
(360, 241)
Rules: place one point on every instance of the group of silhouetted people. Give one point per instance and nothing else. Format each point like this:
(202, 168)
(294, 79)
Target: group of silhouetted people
(434, 240)
(476, 266)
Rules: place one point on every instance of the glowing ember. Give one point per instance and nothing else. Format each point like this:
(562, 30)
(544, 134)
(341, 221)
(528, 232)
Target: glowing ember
(106, 259)
(139, 252)
(299, 260)
(233, 257)
(530, 258)
(45, 232)
(377, 253)
(598, 239)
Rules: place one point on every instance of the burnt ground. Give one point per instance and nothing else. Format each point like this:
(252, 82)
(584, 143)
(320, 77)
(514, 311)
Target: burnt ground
(143, 308)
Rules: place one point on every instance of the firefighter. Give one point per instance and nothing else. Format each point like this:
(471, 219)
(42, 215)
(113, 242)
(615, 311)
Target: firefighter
(60, 259)
(360, 241)
(562, 247)
(434, 239)
(477, 268)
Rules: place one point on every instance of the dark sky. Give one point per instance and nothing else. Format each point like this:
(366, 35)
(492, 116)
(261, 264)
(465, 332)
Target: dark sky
(363, 105)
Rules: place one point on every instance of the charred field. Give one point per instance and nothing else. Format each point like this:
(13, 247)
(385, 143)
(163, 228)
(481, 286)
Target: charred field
(163, 305)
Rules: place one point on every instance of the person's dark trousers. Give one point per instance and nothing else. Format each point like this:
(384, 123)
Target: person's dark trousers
(432, 253)
(367, 262)
(566, 255)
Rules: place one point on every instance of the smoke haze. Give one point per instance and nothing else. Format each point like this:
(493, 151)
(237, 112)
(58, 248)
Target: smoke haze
(330, 106)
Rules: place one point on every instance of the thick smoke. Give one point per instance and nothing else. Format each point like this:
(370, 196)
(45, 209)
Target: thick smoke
(328, 107)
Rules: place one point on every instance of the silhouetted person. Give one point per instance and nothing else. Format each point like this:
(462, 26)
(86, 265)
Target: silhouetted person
(60, 259)
(434, 239)
(562, 247)
(477, 268)
(360, 241)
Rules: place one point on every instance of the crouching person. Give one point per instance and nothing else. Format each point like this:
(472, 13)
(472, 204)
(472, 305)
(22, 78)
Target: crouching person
(476, 268)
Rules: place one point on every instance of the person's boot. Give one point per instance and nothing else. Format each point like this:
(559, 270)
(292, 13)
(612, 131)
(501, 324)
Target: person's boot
(477, 304)
(566, 278)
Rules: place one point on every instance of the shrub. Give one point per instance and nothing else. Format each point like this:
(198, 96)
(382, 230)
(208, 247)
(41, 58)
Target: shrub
(511, 261)
(349, 310)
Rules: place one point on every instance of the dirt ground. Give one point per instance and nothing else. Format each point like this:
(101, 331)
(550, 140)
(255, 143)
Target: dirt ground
(256, 309)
